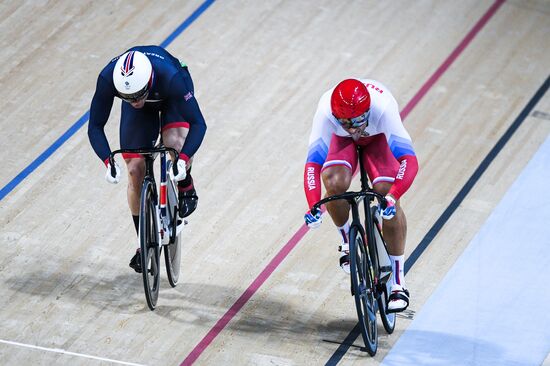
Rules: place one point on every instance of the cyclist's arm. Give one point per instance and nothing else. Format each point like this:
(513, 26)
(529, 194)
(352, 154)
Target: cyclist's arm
(319, 142)
(100, 109)
(401, 147)
(189, 109)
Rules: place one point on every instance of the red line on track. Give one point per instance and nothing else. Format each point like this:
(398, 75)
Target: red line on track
(247, 294)
(451, 58)
(281, 255)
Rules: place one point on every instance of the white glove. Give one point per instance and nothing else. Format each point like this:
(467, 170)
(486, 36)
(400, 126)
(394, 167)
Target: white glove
(389, 212)
(313, 221)
(182, 172)
(109, 178)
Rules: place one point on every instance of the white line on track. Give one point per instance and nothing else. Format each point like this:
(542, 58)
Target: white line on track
(58, 350)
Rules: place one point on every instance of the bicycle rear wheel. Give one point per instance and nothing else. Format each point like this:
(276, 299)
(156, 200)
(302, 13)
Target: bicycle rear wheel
(172, 258)
(364, 292)
(149, 244)
(172, 251)
(388, 319)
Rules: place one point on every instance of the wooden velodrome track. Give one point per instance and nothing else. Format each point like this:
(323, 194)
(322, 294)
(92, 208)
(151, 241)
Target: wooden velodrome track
(461, 71)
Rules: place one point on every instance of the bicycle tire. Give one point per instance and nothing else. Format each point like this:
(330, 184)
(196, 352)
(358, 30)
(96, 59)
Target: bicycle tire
(172, 258)
(388, 319)
(363, 289)
(149, 244)
(172, 251)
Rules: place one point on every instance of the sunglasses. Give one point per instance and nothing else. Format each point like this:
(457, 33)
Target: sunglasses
(136, 97)
(355, 122)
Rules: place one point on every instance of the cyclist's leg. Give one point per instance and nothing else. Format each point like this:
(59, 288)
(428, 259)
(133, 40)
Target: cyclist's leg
(174, 134)
(138, 128)
(395, 230)
(135, 166)
(337, 175)
(337, 179)
(382, 167)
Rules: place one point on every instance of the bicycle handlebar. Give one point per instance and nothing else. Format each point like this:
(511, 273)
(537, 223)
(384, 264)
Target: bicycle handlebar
(144, 151)
(349, 196)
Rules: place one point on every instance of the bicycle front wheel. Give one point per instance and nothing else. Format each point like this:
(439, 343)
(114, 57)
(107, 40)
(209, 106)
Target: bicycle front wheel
(363, 289)
(149, 244)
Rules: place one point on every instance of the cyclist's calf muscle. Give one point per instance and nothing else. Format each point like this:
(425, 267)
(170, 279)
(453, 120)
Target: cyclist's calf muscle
(136, 173)
(395, 230)
(337, 180)
(174, 137)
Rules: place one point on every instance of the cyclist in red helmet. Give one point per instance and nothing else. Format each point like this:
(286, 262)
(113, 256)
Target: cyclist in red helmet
(365, 113)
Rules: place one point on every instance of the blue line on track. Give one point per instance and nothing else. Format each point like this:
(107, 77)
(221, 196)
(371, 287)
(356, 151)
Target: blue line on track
(186, 23)
(42, 157)
(82, 120)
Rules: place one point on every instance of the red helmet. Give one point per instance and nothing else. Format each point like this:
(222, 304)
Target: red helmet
(350, 98)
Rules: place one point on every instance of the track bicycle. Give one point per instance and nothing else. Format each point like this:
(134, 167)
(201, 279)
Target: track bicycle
(370, 264)
(159, 223)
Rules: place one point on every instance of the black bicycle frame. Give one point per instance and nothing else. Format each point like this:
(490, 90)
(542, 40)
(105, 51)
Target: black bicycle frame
(369, 221)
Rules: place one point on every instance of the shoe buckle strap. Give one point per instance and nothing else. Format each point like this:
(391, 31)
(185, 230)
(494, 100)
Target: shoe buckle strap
(343, 248)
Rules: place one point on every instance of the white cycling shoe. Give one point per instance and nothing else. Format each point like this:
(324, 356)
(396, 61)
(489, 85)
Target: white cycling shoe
(398, 300)
(344, 257)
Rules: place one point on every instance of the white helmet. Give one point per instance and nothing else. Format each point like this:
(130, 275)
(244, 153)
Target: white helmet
(133, 76)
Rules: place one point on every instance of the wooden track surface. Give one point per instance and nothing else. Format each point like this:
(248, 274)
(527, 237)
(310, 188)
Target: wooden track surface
(259, 69)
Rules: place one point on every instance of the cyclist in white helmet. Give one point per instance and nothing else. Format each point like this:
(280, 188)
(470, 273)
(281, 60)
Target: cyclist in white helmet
(158, 96)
